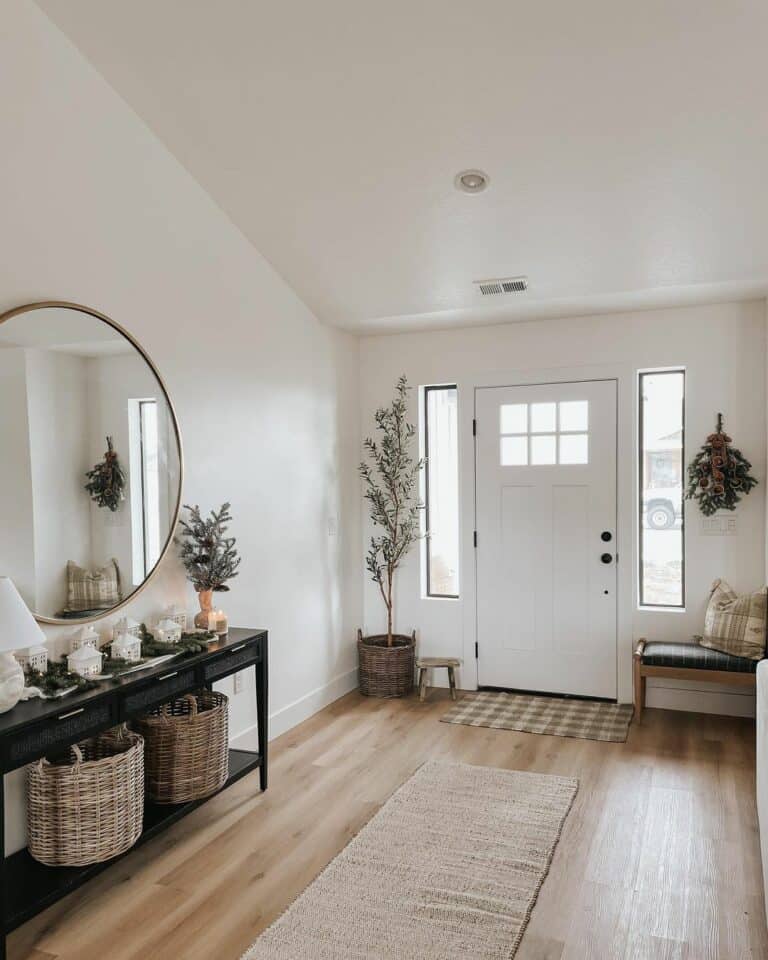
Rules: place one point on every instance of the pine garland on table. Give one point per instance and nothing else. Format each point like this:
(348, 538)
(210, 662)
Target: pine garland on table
(106, 481)
(719, 476)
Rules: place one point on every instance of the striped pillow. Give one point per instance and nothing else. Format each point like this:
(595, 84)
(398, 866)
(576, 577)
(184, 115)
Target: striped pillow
(736, 624)
(92, 590)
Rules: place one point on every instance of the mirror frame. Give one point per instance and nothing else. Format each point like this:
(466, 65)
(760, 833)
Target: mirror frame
(80, 308)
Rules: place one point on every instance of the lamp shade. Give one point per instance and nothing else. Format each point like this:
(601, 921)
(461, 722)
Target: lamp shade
(18, 628)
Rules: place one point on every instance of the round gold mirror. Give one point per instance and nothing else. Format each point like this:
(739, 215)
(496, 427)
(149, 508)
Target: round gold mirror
(90, 487)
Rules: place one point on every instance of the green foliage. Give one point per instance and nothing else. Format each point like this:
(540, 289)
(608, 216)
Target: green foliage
(57, 678)
(106, 481)
(208, 555)
(390, 480)
(719, 476)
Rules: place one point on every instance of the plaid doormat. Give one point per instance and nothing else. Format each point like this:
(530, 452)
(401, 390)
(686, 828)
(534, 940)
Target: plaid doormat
(586, 719)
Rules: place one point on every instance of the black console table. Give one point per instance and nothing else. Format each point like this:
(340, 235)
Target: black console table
(44, 727)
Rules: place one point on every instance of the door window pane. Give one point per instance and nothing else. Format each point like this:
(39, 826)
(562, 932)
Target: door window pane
(661, 433)
(442, 491)
(574, 415)
(543, 417)
(574, 448)
(514, 418)
(543, 450)
(514, 451)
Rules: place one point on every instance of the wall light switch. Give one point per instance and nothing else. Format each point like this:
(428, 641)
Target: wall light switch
(719, 526)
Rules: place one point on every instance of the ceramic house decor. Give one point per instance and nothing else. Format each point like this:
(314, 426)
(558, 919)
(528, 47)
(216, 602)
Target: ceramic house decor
(84, 637)
(175, 613)
(126, 647)
(168, 631)
(33, 658)
(126, 625)
(86, 661)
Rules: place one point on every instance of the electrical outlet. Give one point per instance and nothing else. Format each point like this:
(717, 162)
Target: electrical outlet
(238, 683)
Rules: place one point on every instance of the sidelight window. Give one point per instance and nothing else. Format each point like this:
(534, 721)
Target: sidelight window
(441, 490)
(661, 441)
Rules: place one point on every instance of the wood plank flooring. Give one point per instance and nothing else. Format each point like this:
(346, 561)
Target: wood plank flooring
(659, 858)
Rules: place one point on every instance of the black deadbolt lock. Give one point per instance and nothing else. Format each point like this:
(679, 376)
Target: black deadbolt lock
(606, 557)
(606, 536)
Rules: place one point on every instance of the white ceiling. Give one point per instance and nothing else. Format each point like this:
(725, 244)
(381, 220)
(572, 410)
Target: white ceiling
(626, 142)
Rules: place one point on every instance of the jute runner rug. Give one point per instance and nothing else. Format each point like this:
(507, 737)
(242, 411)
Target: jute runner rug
(450, 867)
(586, 719)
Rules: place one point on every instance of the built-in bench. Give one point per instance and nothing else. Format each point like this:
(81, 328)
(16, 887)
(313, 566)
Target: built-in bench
(688, 661)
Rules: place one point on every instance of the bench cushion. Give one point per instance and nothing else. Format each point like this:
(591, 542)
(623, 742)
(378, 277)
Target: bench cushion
(692, 656)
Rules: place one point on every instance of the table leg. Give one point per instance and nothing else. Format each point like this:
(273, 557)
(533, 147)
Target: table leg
(452, 682)
(2, 867)
(262, 713)
(422, 683)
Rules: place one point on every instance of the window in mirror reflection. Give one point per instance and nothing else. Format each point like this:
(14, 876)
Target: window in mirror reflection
(145, 487)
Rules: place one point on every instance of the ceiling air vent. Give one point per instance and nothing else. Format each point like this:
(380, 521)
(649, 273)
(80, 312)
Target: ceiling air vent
(489, 288)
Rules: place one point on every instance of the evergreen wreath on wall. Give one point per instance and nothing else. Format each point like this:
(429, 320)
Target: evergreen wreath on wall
(106, 481)
(719, 476)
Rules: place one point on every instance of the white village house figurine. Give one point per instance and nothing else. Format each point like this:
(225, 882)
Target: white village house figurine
(126, 625)
(33, 658)
(86, 661)
(84, 637)
(126, 647)
(175, 613)
(168, 631)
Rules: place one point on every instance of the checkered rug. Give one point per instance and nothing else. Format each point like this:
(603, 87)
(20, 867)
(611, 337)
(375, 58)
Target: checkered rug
(586, 719)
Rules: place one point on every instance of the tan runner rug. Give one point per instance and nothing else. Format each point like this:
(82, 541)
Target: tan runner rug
(586, 719)
(450, 867)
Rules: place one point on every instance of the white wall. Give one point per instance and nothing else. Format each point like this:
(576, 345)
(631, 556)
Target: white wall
(58, 443)
(17, 548)
(723, 350)
(95, 210)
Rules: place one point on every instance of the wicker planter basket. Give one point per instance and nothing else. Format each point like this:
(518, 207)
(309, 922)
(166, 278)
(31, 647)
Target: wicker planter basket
(91, 808)
(186, 747)
(386, 671)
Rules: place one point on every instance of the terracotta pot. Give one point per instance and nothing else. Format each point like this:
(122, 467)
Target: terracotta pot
(205, 598)
(386, 671)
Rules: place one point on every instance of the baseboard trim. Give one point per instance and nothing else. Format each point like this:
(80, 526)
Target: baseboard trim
(299, 710)
(724, 703)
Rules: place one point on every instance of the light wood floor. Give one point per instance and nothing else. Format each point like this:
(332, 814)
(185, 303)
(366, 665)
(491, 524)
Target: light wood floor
(659, 857)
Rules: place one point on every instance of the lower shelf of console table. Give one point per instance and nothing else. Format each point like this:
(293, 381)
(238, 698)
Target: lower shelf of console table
(31, 886)
(38, 728)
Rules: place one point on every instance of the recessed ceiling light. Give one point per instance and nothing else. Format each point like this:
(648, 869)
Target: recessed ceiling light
(471, 181)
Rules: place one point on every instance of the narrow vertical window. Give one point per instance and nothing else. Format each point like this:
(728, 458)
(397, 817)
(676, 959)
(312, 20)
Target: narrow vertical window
(145, 487)
(662, 439)
(441, 499)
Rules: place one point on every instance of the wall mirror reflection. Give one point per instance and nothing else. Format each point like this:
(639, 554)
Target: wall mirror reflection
(91, 462)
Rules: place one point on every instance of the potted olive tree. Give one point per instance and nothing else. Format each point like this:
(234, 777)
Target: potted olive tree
(390, 480)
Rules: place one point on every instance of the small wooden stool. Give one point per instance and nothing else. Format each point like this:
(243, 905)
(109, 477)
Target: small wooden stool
(427, 663)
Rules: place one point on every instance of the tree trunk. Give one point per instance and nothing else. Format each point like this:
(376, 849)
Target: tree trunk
(389, 608)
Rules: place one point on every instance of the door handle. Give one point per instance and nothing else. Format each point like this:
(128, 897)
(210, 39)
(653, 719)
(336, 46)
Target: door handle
(606, 558)
(606, 536)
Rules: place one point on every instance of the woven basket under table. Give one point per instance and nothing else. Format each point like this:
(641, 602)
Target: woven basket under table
(89, 808)
(386, 671)
(186, 747)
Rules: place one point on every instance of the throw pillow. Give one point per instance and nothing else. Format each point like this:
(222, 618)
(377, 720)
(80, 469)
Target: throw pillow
(93, 590)
(736, 624)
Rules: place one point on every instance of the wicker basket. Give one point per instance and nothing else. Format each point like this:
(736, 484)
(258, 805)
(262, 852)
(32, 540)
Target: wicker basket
(187, 747)
(90, 808)
(386, 671)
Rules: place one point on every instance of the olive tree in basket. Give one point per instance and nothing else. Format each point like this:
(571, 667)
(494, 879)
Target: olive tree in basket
(390, 477)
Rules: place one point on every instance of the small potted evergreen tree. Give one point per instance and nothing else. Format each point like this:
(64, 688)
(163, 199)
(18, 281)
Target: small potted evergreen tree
(390, 480)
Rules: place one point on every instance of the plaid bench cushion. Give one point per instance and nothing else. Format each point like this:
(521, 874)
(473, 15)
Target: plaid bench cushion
(692, 656)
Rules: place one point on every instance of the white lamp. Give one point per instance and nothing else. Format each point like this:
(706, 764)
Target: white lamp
(18, 629)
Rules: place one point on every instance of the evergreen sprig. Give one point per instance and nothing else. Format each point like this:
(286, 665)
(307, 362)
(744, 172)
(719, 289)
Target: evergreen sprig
(719, 476)
(390, 479)
(106, 480)
(208, 555)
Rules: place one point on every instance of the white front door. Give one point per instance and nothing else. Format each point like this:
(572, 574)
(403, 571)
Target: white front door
(546, 537)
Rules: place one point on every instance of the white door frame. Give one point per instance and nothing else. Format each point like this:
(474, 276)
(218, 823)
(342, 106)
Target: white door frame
(626, 494)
